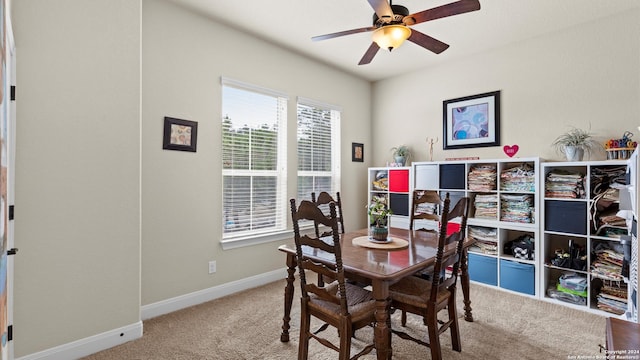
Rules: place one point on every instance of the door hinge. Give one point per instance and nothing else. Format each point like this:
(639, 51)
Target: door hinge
(10, 333)
(13, 93)
(12, 251)
(11, 211)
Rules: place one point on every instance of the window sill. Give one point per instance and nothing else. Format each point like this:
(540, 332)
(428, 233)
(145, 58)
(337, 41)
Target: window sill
(240, 242)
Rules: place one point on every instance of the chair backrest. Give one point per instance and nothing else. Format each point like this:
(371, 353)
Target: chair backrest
(425, 206)
(322, 201)
(444, 258)
(310, 211)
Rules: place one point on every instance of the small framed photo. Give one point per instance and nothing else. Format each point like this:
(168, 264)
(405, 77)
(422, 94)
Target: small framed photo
(357, 152)
(472, 121)
(180, 134)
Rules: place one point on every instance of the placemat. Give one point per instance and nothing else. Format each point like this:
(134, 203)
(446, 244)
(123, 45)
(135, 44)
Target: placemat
(396, 243)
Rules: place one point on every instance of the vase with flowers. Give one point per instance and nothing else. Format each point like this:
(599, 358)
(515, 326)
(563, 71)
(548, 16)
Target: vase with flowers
(379, 218)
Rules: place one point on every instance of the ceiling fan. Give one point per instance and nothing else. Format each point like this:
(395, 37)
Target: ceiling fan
(391, 26)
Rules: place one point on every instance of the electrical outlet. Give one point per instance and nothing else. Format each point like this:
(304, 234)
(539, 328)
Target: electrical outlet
(212, 267)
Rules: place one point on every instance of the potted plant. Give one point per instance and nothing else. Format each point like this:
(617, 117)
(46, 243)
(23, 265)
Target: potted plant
(575, 142)
(378, 216)
(401, 154)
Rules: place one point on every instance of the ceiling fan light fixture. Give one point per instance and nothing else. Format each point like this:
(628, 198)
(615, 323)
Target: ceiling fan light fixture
(391, 36)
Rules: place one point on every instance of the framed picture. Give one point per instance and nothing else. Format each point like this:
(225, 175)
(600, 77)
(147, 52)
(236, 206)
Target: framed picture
(472, 121)
(357, 152)
(180, 134)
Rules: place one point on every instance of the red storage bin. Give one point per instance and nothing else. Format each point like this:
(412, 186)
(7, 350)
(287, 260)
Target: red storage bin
(452, 227)
(399, 180)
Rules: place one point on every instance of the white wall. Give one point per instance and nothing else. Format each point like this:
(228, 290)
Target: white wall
(106, 220)
(77, 225)
(184, 55)
(584, 76)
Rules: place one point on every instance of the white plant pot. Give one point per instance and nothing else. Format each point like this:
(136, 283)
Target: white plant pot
(573, 153)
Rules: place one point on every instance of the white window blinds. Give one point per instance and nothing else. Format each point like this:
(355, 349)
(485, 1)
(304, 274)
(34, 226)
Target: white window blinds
(254, 160)
(318, 148)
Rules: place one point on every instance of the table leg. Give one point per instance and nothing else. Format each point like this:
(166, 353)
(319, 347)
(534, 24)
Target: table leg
(464, 273)
(288, 296)
(382, 328)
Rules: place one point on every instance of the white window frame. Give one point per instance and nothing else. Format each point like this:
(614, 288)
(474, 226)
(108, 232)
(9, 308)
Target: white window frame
(279, 231)
(334, 173)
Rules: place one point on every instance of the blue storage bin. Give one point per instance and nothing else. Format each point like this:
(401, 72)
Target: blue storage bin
(517, 276)
(483, 269)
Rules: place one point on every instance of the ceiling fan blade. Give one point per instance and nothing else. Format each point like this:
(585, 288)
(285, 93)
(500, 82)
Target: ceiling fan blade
(342, 33)
(382, 8)
(371, 52)
(427, 42)
(455, 8)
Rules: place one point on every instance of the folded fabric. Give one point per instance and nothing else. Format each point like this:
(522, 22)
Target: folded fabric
(571, 281)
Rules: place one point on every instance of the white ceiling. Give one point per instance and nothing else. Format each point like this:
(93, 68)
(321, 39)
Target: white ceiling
(292, 23)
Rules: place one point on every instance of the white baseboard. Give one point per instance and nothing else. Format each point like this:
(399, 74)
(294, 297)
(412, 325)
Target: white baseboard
(198, 297)
(115, 337)
(89, 345)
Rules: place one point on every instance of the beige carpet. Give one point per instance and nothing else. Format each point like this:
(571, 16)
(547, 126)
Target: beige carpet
(247, 325)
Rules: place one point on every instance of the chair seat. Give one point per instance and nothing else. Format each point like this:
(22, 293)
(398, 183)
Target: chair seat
(359, 301)
(415, 291)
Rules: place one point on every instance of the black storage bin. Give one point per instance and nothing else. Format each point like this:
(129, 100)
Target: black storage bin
(399, 204)
(566, 216)
(452, 176)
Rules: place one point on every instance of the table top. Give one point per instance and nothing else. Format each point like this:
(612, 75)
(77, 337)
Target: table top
(623, 338)
(383, 264)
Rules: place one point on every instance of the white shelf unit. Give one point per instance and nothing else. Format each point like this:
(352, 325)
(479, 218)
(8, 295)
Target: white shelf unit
(392, 184)
(633, 177)
(493, 266)
(568, 220)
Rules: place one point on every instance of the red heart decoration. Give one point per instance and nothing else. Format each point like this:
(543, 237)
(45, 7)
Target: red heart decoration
(511, 150)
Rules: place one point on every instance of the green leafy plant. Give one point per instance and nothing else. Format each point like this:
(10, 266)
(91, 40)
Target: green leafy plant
(401, 153)
(402, 150)
(378, 212)
(575, 137)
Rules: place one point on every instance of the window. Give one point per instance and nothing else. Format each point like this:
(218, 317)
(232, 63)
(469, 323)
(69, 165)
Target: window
(254, 160)
(318, 148)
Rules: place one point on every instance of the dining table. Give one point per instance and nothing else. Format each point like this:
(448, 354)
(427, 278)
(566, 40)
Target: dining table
(413, 251)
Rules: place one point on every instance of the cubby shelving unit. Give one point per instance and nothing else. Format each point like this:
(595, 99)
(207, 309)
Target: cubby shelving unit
(581, 235)
(392, 185)
(567, 218)
(633, 176)
(504, 208)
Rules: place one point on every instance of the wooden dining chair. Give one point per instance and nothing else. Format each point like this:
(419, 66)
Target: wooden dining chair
(323, 200)
(342, 305)
(427, 298)
(425, 205)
